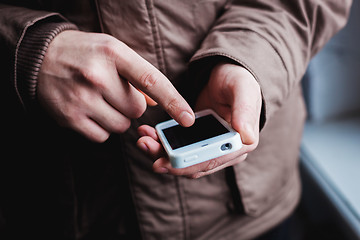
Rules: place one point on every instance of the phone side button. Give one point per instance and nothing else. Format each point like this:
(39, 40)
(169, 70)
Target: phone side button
(191, 158)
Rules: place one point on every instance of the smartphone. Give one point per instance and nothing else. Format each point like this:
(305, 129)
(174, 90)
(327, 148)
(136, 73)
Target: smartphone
(208, 138)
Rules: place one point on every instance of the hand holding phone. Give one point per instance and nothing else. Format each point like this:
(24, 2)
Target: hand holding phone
(210, 137)
(234, 94)
(223, 139)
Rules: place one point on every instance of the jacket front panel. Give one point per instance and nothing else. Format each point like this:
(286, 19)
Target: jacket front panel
(171, 35)
(169, 46)
(170, 31)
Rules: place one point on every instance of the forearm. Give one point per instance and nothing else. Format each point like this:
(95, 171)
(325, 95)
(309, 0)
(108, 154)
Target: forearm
(274, 40)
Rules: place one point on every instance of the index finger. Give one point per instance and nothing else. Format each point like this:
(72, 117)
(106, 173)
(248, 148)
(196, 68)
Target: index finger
(150, 80)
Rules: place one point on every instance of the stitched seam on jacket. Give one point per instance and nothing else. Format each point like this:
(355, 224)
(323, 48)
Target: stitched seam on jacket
(99, 15)
(238, 60)
(285, 197)
(158, 46)
(220, 52)
(135, 200)
(180, 193)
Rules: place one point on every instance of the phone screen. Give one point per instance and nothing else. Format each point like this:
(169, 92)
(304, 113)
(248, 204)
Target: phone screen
(205, 127)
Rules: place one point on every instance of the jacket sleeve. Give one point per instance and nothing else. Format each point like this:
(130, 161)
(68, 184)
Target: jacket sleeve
(24, 37)
(274, 40)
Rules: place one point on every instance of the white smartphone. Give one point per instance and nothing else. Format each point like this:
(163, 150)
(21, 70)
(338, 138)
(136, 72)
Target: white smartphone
(210, 137)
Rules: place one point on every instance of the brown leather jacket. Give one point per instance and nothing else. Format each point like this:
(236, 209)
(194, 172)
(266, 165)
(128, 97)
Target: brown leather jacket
(57, 185)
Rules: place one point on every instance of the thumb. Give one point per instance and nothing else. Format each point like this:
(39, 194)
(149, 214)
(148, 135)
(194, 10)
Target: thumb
(245, 109)
(245, 125)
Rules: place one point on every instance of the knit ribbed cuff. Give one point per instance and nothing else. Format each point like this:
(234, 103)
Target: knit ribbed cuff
(30, 56)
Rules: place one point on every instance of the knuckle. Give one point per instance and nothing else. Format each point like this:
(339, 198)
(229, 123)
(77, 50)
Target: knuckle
(87, 71)
(148, 80)
(82, 98)
(172, 105)
(121, 125)
(138, 109)
(69, 117)
(100, 138)
(211, 164)
(92, 75)
(138, 112)
(107, 45)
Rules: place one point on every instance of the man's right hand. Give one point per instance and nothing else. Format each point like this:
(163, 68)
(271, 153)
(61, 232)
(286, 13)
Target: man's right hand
(89, 82)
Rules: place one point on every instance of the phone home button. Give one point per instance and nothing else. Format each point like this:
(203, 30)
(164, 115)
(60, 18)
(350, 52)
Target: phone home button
(191, 158)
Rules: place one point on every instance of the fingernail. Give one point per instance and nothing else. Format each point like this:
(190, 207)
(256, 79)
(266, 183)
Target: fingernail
(186, 119)
(143, 147)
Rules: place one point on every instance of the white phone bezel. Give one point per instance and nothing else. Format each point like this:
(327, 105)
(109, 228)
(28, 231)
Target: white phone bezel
(203, 150)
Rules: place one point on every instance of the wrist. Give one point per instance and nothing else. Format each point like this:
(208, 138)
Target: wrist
(30, 55)
(237, 77)
(235, 72)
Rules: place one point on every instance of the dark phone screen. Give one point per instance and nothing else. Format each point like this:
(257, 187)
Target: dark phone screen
(204, 127)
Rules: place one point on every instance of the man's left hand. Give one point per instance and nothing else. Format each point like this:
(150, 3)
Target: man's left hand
(234, 94)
